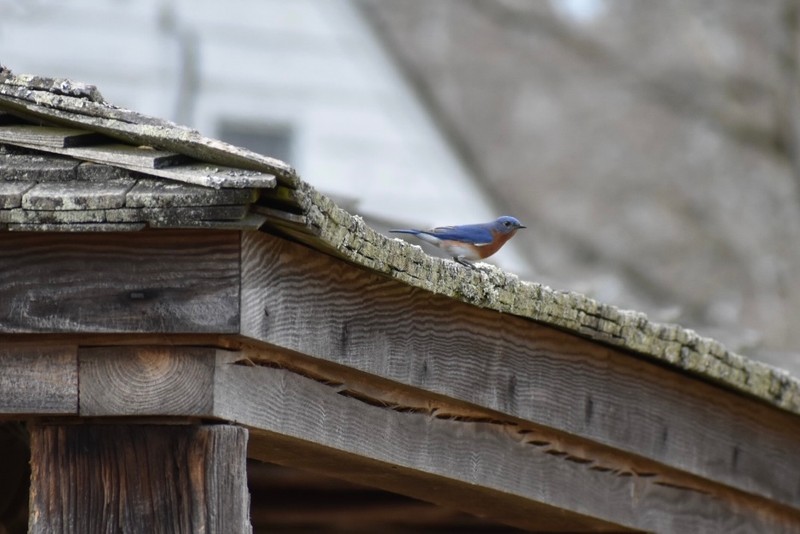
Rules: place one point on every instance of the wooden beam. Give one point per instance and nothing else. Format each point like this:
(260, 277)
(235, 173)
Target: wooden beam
(163, 281)
(138, 478)
(38, 380)
(352, 425)
(178, 381)
(484, 468)
(297, 298)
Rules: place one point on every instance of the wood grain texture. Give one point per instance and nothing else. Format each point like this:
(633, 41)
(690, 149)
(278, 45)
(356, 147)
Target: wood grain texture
(138, 479)
(127, 155)
(17, 95)
(478, 467)
(38, 380)
(105, 339)
(299, 299)
(166, 281)
(157, 163)
(146, 381)
(348, 237)
(48, 136)
(153, 193)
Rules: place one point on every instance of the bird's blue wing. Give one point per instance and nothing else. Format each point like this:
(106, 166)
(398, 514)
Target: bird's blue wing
(468, 233)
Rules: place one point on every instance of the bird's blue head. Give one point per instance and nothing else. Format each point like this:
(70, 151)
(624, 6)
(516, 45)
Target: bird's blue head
(507, 224)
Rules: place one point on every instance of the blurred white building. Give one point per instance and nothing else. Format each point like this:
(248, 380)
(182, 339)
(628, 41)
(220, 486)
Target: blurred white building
(306, 81)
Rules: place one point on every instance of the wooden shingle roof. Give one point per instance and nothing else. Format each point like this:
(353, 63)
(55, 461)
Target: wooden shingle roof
(69, 161)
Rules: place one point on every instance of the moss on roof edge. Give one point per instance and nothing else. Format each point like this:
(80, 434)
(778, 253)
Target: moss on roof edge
(494, 289)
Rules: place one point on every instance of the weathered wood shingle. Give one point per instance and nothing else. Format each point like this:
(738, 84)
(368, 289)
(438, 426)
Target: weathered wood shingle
(75, 195)
(43, 99)
(154, 193)
(36, 168)
(40, 190)
(49, 136)
(11, 193)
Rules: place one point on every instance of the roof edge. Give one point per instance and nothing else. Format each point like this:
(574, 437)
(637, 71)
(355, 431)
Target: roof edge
(495, 289)
(332, 229)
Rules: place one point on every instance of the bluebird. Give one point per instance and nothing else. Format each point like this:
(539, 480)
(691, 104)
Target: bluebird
(470, 241)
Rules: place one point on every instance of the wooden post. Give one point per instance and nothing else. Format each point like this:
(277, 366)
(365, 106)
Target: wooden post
(138, 478)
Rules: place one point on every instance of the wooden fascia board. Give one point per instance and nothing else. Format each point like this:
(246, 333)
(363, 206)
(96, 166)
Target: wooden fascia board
(164, 281)
(299, 299)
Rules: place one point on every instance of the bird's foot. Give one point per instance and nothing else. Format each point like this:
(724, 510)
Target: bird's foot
(466, 263)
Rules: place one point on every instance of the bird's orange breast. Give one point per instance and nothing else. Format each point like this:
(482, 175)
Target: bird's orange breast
(498, 240)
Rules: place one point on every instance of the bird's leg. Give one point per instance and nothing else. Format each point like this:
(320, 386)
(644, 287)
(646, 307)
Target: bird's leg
(462, 261)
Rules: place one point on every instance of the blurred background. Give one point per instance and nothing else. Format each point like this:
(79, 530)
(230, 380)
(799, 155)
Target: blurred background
(653, 148)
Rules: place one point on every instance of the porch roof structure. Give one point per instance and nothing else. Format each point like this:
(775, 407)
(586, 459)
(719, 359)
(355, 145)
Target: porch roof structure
(150, 275)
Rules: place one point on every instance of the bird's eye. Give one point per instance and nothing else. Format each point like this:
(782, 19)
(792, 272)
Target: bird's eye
(507, 223)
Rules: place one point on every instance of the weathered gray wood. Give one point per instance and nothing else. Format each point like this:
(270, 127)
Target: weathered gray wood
(166, 281)
(119, 380)
(216, 176)
(138, 129)
(251, 221)
(56, 86)
(297, 298)
(149, 193)
(134, 339)
(38, 380)
(98, 172)
(174, 216)
(77, 195)
(346, 236)
(74, 227)
(167, 165)
(124, 155)
(138, 479)
(49, 136)
(30, 168)
(234, 217)
(191, 215)
(486, 468)
(27, 216)
(11, 193)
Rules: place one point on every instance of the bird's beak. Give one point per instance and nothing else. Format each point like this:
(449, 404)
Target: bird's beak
(521, 226)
